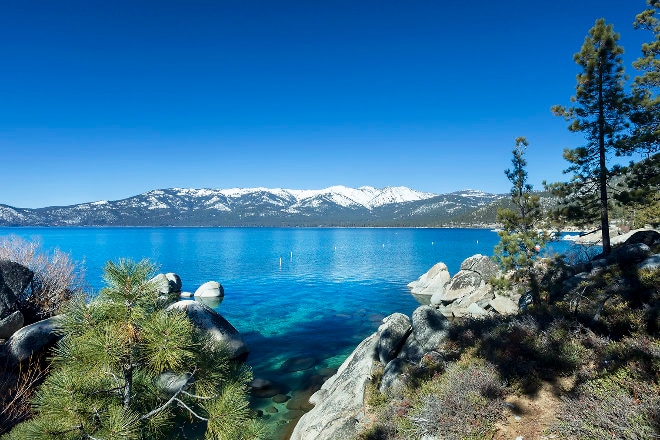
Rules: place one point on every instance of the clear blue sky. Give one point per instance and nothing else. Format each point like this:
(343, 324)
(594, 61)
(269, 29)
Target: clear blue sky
(104, 100)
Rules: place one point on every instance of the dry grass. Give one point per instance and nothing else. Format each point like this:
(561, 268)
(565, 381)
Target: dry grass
(56, 277)
(16, 389)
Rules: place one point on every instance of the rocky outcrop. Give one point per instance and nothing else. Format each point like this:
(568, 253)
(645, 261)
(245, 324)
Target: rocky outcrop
(468, 293)
(339, 403)
(432, 283)
(215, 326)
(429, 328)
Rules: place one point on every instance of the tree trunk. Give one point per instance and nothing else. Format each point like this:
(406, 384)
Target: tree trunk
(128, 386)
(604, 220)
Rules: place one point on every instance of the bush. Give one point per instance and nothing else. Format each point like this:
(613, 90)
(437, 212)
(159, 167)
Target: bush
(464, 402)
(604, 408)
(56, 277)
(126, 368)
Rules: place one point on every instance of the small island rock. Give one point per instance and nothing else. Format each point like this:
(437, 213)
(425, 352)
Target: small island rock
(210, 289)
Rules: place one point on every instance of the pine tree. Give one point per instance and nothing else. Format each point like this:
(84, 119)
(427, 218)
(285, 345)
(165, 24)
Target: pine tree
(520, 237)
(128, 369)
(646, 110)
(600, 113)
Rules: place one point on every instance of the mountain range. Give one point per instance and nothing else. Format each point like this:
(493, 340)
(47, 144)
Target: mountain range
(333, 206)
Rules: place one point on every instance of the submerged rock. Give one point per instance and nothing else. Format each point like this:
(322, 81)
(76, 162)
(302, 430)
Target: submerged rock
(298, 364)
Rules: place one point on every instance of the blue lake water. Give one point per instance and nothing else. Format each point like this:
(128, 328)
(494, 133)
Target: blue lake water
(291, 292)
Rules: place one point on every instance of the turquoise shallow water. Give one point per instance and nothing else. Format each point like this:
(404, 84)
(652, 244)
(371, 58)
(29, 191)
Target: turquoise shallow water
(310, 295)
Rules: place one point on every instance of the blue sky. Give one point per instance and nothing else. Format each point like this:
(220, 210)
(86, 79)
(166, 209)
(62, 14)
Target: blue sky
(104, 100)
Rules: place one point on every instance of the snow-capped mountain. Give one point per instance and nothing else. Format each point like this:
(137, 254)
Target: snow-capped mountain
(333, 206)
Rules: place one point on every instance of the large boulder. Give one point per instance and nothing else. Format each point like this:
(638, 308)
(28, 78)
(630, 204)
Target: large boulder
(392, 382)
(210, 289)
(213, 324)
(392, 335)
(503, 305)
(174, 281)
(649, 237)
(14, 278)
(31, 339)
(482, 265)
(463, 283)
(11, 324)
(632, 253)
(339, 404)
(433, 282)
(429, 328)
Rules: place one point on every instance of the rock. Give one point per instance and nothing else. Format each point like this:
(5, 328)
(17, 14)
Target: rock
(259, 384)
(271, 410)
(298, 364)
(475, 311)
(340, 401)
(526, 300)
(263, 388)
(630, 253)
(300, 401)
(392, 383)
(429, 329)
(651, 263)
(280, 398)
(162, 283)
(186, 295)
(432, 282)
(575, 281)
(11, 324)
(462, 284)
(212, 302)
(217, 327)
(482, 265)
(14, 278)
(648, 237)
(503, 305)
(31, 339)
(170, 382)
(174, 282)
(210, 289)
(480, 296)
(392, 335)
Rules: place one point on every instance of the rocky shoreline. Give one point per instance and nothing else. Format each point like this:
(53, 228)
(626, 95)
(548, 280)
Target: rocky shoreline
(400, 341)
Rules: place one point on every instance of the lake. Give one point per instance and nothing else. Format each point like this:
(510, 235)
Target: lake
(305, 294)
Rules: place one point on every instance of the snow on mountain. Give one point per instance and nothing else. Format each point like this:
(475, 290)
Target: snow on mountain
(335, 205)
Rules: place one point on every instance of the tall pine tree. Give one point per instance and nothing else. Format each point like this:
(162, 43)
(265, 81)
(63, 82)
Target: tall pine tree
(599, 112)
(646, 110)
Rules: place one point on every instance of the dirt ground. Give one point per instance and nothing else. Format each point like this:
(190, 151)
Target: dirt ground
(530, 416)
